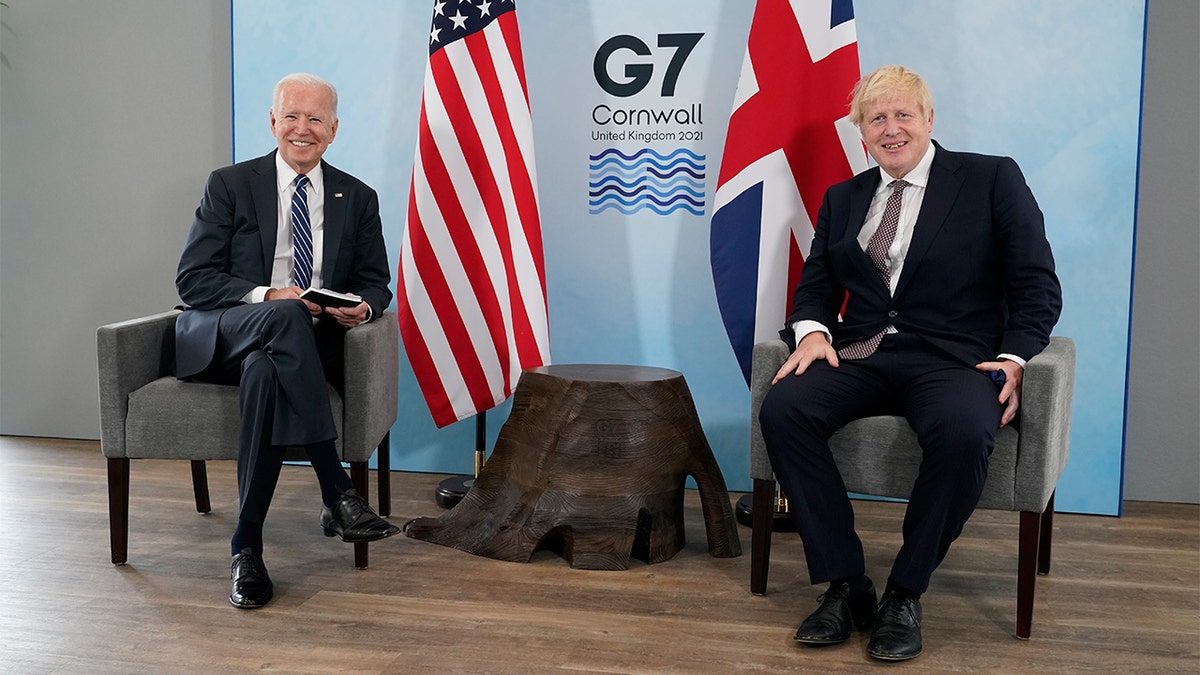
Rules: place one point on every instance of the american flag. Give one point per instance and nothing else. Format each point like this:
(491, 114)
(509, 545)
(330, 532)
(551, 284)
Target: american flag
(789, 139)
(471, 287)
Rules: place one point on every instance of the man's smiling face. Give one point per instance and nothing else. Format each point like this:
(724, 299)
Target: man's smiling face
(304, 125)
(896, 133)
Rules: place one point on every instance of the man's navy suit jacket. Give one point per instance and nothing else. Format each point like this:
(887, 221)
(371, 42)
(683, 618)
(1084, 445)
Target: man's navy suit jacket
(978, 279)
(231, 245)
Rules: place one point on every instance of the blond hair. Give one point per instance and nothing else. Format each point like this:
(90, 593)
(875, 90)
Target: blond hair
(884, 82)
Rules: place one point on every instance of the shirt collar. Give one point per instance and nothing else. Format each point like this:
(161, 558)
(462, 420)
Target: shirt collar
(286, 175)
(919, 176)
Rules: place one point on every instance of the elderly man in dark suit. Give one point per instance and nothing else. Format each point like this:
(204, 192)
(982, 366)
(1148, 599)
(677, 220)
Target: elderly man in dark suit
(267, 230)
(928, 286)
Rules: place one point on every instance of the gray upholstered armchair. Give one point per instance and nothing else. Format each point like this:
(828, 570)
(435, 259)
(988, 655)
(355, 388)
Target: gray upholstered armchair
(879, 456)
(146, 413)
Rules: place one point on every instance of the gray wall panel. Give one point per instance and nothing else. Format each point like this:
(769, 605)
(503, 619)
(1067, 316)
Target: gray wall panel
(1162, 441)
(111, 115)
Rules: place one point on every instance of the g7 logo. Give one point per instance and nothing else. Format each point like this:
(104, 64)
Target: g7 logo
(639, 74)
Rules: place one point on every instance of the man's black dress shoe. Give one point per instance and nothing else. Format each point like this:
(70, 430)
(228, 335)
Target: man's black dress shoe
(841, 610)
(354, 521)
(897, 634)
(251, 586)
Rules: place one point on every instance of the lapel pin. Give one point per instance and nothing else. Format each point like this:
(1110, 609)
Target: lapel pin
(337, 194)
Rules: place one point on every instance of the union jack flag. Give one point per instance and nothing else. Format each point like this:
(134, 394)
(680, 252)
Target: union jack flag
(471, 290)
(789, 139)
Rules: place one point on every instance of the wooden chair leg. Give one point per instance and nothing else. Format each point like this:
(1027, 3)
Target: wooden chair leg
(1046, 536)
(1027, 557)
(384, 467)
(760, 535)
(358, 476)
(200, 486)
(118, 508)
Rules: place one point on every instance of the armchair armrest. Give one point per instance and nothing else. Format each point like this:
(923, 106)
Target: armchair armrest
(768, 356)
(1045, 424)
(372, 352)
(129, 355)
(1047, 395)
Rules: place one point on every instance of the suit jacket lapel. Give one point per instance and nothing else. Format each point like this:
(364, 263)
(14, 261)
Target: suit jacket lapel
(335, 222)
(945, 181)
(862, 191)
(265, 193)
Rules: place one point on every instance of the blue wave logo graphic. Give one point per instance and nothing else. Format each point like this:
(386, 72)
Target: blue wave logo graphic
(647, 179)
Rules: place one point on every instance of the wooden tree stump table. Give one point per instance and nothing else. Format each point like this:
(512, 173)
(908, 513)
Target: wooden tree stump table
(591, 464)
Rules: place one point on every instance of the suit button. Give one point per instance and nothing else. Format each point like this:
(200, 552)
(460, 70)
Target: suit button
(892, 314)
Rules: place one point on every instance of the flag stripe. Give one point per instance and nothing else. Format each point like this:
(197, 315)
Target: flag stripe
(518, 199)
(495, 183)
(434, 309)
(472, 276)
(477, 231)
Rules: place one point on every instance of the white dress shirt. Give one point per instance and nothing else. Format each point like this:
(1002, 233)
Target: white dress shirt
(281, 267)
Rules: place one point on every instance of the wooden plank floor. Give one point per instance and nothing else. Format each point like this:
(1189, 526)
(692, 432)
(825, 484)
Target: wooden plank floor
(1123, 595)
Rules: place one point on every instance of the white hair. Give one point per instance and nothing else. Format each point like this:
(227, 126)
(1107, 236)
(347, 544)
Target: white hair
(304, 79)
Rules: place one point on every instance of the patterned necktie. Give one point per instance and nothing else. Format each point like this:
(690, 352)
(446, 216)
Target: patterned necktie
(302, 246)
(877, 251)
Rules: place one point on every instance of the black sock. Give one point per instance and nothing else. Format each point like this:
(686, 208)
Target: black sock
(858, 582)
(893, 587)
(247, 535)
(330, 474)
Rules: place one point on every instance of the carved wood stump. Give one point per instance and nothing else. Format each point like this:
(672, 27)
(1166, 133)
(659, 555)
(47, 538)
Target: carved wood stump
(591, 464)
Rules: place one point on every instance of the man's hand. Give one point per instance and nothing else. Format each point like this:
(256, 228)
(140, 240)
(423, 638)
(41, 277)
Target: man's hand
(349, 317)
(812, 347)
(1010, 393)
(292, 293)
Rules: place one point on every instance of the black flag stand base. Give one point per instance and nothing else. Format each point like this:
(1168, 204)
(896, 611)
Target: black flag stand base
(451, 490)
(781, 520)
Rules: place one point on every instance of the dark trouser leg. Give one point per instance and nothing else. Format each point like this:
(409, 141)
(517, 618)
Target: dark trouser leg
(334, 480)
(283, 331)
(330, 474)
(955, 413)
(270, 349)
(259, 462)
(798, 416)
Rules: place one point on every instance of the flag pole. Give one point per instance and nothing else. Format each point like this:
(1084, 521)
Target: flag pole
(451, 490)
(781, 517)
(480, 439)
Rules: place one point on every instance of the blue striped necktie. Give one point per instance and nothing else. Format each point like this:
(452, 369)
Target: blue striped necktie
(302, 246)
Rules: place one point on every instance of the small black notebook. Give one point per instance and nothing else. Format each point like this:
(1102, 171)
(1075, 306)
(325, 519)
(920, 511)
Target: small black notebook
(328, 298)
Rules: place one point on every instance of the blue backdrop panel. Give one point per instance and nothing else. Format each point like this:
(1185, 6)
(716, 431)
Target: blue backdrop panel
(1055, 85)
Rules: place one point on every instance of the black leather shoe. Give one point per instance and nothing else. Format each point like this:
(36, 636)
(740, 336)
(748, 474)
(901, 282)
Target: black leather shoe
(841, 610)
(354, 521)
(897, 634)
(252, 587)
